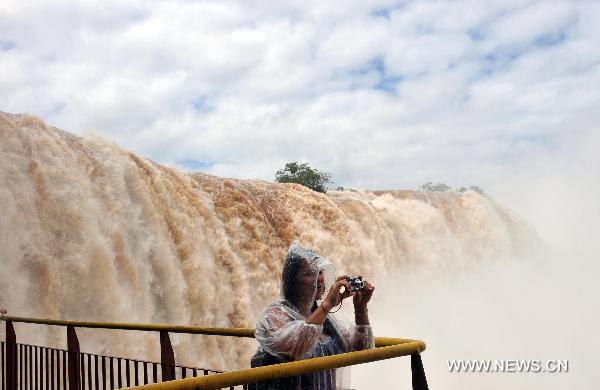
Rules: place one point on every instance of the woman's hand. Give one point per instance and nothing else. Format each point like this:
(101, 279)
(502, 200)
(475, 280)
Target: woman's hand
(3, 311)
(363, 296)
(335, 296)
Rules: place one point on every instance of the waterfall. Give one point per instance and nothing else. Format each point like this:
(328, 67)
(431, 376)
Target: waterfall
(90, 231)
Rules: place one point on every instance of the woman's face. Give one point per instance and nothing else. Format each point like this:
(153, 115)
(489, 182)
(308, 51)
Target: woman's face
(320, 286)
(306, 280)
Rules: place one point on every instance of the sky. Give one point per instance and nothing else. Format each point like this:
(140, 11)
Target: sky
(381, 94)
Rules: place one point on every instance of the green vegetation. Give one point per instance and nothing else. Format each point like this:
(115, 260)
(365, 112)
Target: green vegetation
(471, 188)
(303, 174)
(441, 187)
(438, 187)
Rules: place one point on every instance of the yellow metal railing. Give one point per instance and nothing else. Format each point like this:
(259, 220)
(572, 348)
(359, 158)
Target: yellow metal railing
(253, 375)
(237, 332)
(386, 348)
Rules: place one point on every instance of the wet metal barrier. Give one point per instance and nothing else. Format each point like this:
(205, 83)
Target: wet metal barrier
(28, 367)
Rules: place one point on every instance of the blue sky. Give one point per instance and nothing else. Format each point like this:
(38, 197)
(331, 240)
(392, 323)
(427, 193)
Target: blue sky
(382, 94)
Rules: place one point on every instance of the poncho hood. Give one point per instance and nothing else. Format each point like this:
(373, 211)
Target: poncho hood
(296, 257)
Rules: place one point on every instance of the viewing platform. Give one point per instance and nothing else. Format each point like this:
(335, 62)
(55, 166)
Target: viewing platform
(31, 367)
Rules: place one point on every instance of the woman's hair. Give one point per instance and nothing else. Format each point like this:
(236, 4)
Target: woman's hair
(289, 277)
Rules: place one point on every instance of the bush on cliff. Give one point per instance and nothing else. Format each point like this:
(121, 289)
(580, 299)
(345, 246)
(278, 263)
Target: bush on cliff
(303, 174)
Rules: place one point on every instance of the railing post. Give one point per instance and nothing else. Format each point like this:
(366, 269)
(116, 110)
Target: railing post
(73, 348)
(11, 357)
(419, 381)
(167, 357)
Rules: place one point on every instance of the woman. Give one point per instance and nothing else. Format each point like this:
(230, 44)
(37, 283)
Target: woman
(298, 327)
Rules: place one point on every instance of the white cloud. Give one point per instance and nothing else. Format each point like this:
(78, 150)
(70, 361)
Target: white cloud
(381, 94)
(523, 25)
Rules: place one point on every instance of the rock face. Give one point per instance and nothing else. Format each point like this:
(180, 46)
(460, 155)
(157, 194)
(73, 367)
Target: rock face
(93, 232)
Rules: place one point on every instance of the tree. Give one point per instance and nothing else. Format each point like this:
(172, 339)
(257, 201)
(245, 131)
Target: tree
(477, 189)
(303, 174)
(438, 187)
(471, 188)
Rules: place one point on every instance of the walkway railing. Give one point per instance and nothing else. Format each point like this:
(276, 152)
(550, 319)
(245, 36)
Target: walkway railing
(27, 367)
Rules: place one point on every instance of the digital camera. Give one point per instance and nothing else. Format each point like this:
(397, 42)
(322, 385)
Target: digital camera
(356, 283)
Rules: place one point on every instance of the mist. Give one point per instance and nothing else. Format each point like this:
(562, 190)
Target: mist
(541, 307)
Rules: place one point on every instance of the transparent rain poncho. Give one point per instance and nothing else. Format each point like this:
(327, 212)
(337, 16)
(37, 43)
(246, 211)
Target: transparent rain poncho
(284, 335)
